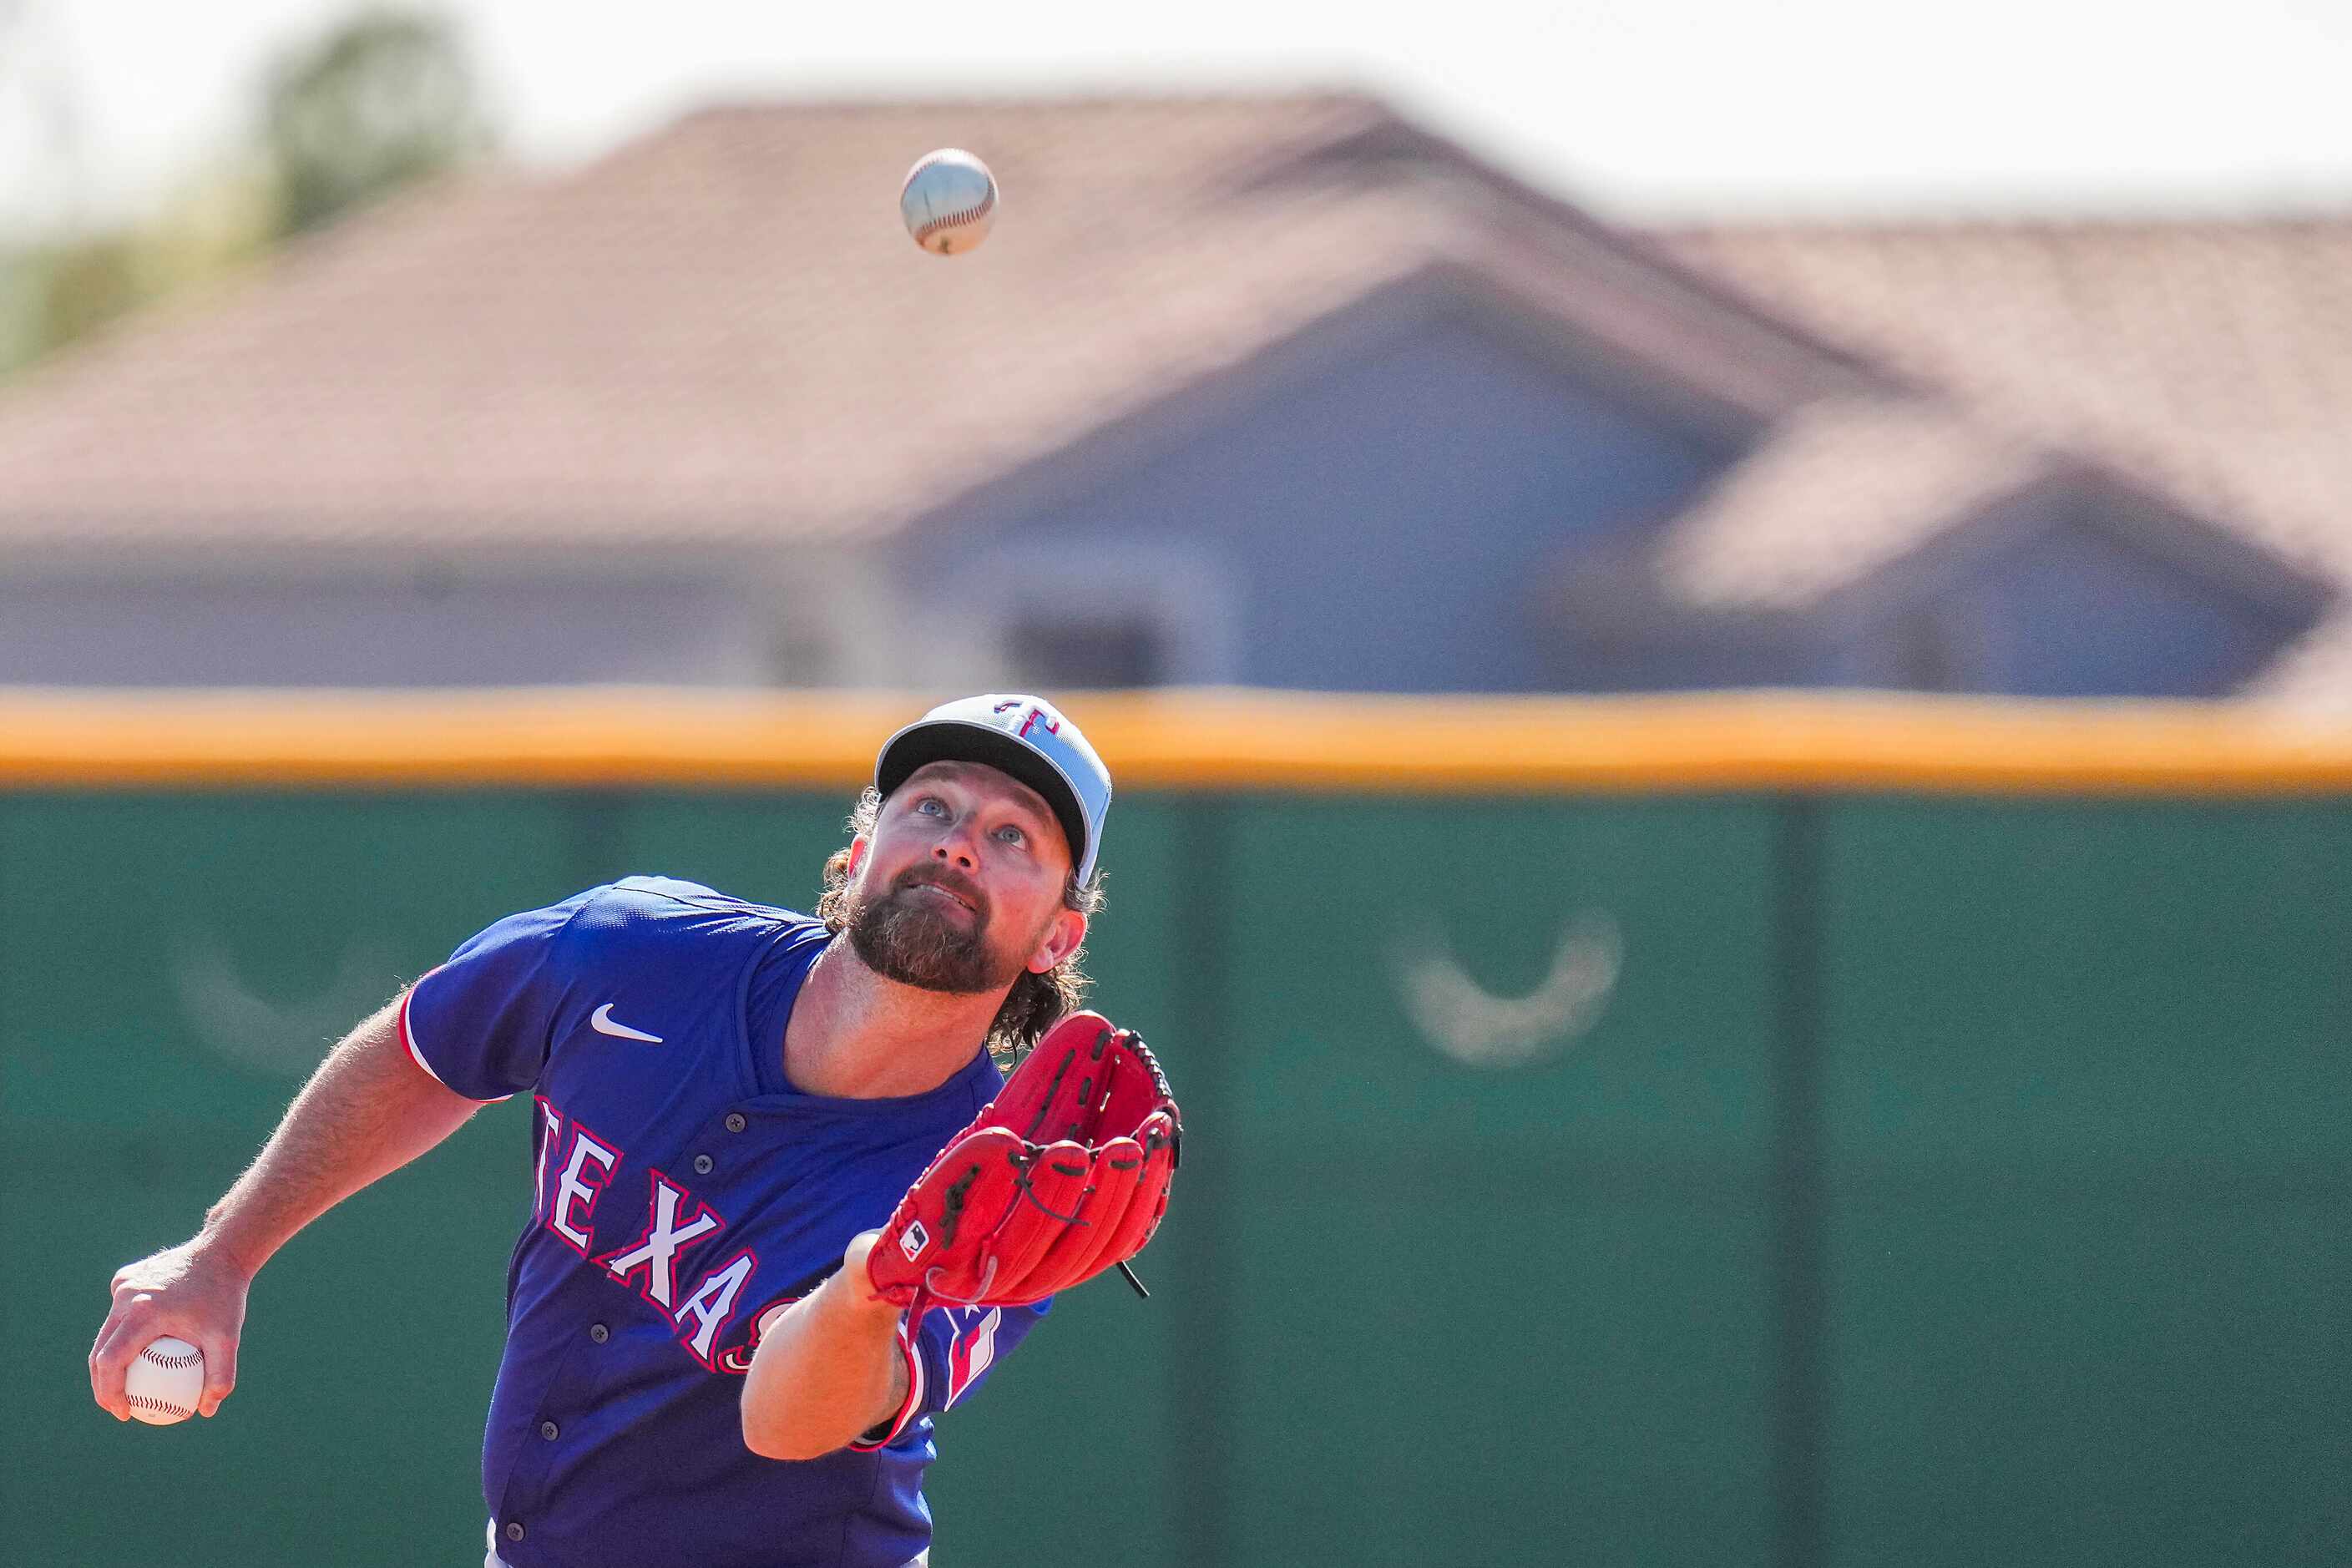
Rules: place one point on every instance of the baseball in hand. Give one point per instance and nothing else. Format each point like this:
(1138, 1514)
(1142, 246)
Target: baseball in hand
(949, 201)
(166, 1381)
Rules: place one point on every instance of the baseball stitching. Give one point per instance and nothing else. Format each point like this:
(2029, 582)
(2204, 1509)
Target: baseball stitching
(141, 1402)
(957, 220)
(149, 1355)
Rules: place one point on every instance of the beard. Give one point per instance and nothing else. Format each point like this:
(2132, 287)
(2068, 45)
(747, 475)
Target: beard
(913, 938)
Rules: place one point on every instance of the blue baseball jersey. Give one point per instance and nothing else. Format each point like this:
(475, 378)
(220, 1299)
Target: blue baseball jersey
(682, 1195)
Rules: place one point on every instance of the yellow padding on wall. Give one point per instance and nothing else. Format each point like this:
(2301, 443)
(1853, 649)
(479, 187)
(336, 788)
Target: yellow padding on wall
(588, 737)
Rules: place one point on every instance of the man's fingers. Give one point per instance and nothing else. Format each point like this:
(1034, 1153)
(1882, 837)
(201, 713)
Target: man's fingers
(176, 1292)
(220, 1377)
(108, 1357)
(124, 1335)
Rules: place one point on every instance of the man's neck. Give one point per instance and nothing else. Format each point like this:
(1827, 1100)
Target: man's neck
(854, 1035)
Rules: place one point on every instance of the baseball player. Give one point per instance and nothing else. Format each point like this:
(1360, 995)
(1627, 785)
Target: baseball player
(733, 1107)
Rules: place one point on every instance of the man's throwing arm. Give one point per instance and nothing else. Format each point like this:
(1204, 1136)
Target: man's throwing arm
(367, 1110)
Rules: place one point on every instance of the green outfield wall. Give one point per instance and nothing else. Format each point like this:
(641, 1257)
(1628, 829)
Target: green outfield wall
(1593, 1173)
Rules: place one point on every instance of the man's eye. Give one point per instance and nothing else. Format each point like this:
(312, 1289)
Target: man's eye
(1012, 835)
(931, 804)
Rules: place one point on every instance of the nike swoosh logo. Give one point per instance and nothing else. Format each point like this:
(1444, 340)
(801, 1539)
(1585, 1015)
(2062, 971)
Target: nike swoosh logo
(601, 1020)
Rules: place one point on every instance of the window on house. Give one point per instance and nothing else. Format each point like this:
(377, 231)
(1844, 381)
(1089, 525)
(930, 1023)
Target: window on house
(799, 655)
(1059, 652)
(1926, 659)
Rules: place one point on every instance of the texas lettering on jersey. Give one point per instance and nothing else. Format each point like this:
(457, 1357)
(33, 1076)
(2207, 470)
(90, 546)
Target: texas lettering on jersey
(566, 1188)
(639, 1022)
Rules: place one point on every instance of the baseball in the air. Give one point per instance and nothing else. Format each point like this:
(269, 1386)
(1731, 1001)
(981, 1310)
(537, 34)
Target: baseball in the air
(166, 1381)
(949, 201)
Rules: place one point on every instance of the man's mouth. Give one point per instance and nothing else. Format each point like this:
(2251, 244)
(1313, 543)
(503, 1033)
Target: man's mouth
(942, 891)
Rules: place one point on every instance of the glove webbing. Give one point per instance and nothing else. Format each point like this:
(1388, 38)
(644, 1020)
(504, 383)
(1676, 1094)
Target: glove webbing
(952, 1217)
(1086, 1093)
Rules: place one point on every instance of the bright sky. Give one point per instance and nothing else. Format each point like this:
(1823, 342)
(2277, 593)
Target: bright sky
(1635, 106)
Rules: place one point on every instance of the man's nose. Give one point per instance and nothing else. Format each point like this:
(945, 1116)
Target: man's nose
(959, 847)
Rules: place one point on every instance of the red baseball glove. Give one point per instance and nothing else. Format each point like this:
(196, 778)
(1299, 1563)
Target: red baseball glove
(1062, 1175)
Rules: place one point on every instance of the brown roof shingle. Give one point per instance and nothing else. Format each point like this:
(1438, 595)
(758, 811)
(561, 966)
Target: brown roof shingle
(721, 332)
(719, 327)
(1839, 489)
(2217, 356)
(2211, 361)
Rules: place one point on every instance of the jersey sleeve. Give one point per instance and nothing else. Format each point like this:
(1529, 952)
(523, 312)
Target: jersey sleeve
(483, 1022)
(951, 1355)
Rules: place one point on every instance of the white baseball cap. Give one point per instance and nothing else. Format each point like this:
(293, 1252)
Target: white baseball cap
(1024, 736)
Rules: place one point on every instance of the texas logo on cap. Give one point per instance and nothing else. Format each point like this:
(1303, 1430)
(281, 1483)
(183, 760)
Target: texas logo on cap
(1026, 737)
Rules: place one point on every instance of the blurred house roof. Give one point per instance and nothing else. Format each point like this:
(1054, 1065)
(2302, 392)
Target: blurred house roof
(719, 334)
(2207, 364)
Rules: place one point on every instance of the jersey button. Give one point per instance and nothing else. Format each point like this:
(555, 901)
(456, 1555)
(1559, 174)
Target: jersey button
(703, 1165)
(599, 1332)
(548, 1430)
(514, 1531)
(735, 1122)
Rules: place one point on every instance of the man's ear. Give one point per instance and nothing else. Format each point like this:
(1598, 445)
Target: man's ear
(858, 848)
(1061, 939)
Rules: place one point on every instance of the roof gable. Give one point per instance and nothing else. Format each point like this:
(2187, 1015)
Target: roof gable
(2206, 366)
(720, 332)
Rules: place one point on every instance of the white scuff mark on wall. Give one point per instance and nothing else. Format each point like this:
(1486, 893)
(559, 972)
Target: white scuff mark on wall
(1463, 1020)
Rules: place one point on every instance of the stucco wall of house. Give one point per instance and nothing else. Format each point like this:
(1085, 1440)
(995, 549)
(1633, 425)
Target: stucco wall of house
(377, 625)
(1379, 521)
(2054, 600)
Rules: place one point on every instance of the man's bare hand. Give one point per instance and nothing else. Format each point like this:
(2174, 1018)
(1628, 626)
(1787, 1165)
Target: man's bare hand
(186, 1290)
